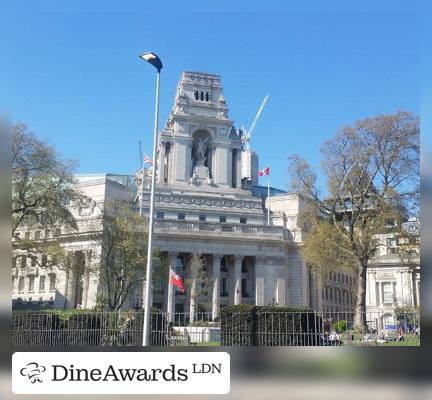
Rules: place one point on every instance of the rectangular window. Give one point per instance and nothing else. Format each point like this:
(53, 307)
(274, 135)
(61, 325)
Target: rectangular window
(31, 283)
(37, 235)
(47, 233)
(52, 281)
(21, 284)
(181, 216)
(224, 292)
(222, 219)
(27, 235)
(33, 262)
(202, 217)
(57, 232)
(44, 260)
(42, 283)
(243, 220)
(245, 266)
(160, 215)
(388, 293)
(391, 242)
(23, 261)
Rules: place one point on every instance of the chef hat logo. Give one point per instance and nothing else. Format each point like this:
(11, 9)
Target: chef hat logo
(32, 371)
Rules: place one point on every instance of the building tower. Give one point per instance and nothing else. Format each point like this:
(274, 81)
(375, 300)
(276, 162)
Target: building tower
(199, 145)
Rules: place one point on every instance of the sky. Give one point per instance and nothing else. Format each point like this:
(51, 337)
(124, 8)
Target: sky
(75, 78)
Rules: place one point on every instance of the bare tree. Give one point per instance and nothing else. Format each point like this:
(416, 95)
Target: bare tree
(42, 191)
(372, 171)
(197, 281)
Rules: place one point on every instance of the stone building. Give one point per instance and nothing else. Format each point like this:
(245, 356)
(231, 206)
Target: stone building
(207, 203)
(393, 278)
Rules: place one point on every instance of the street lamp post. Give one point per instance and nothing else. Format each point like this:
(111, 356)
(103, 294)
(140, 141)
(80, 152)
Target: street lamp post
(154, 60)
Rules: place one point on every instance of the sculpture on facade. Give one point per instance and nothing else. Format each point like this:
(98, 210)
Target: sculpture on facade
(200, 155)
(194, 178)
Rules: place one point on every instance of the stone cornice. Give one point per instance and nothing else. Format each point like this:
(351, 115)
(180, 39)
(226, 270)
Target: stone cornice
(203, 201)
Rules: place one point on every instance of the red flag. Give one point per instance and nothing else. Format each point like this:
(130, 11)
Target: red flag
(265, 171)
(176, 280)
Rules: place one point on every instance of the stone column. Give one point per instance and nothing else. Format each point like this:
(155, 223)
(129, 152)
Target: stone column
(237, 279)
(161, 163)
(67, 278)
(381, 292)
(374, 299)
(87, 263)
(216, 285)
(402, 289)
(280, 292)
(171, 289)
(259, 283)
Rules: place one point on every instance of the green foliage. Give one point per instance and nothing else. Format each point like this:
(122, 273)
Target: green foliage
(372, 170)
(101, 302)
(124, 252)
(340, 326)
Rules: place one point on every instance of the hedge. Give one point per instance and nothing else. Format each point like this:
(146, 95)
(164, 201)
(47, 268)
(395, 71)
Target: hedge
(86, 328)
(247, 325)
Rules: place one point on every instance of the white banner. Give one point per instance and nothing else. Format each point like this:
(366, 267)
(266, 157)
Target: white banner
(121, 373)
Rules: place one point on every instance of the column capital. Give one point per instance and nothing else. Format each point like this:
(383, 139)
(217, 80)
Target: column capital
(238, 258)
(217, 256)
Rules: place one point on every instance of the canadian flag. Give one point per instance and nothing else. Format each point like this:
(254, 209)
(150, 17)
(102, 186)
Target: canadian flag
(176, 280)
(265, 171)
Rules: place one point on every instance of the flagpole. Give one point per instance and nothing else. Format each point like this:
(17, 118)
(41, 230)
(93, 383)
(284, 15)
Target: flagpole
(268, 199)
(142, 180)
(170, 310)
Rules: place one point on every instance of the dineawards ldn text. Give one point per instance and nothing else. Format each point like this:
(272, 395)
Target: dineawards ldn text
(113, 374)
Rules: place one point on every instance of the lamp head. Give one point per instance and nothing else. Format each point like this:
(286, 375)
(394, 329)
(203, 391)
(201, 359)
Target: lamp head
(153, 59)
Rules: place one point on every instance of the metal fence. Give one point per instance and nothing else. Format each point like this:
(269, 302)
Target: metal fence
(274, 328)
(323, 328)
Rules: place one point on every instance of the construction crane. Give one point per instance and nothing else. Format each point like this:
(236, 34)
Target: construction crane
(246, 134)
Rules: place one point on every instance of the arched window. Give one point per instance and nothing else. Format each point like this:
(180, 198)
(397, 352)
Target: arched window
(207, 96)
(202, 96)
(196, 94)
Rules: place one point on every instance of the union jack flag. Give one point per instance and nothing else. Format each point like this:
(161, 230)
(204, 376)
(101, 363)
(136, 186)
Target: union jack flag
(147, 159)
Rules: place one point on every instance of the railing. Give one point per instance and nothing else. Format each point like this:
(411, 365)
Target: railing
(319, 328)
(237, 230)
(275, 328)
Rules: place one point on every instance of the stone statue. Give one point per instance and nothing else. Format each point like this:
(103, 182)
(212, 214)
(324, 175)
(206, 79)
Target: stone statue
(194, 178)
(201, 151)
(209, 180)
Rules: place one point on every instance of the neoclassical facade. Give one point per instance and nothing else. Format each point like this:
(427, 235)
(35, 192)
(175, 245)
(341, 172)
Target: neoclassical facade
(393, 279)
(207, 203)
